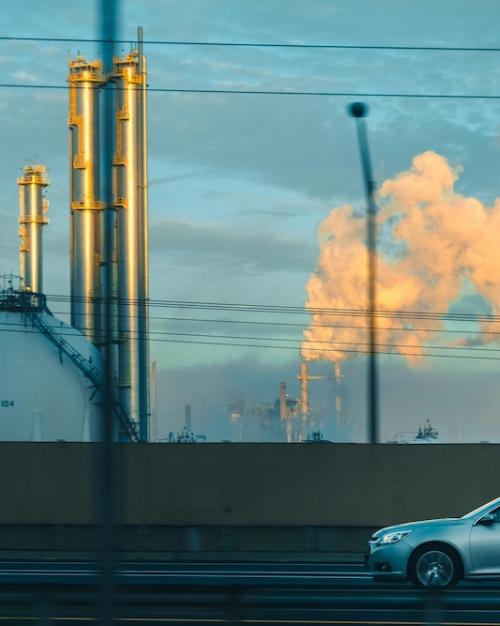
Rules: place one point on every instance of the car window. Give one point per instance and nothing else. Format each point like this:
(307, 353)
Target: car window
(496, 513)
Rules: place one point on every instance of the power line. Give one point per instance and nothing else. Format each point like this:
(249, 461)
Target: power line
(268, 92)
(295, 325)
(343, 351)
(289, 309)
(278, 347)
(298, 343)
(255, 44)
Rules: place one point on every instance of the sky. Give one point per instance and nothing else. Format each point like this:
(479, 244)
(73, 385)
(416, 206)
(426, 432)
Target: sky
(240, 183)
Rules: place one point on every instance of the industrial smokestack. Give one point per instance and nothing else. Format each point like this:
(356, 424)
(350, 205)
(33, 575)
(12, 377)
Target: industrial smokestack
(304, 388)
(283, 406)
(32, 218)
(285, 414)
(85, 78)
(337, 368)
(187, 418)
(130, 199)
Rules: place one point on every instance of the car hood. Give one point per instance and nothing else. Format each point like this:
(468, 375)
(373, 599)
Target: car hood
(412, 525)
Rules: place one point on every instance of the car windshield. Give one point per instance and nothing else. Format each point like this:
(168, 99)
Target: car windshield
(480, 509)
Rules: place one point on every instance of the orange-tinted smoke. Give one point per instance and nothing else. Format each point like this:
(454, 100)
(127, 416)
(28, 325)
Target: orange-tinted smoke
(432, 240)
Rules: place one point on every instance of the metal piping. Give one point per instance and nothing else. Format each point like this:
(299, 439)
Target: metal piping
(85, 79)
(32, 208)
(285, 414)
(130, 200)
(304, 388)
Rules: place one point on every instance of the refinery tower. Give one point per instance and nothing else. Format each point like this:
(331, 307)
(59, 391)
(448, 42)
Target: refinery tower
(67, 358)
(129, 289)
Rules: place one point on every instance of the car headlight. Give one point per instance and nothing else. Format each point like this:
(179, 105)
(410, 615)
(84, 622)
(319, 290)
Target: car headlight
(394, 536)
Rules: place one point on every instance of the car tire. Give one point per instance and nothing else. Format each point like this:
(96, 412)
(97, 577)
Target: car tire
(435, 567)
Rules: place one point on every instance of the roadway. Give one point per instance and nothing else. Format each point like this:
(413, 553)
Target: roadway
(233, 593)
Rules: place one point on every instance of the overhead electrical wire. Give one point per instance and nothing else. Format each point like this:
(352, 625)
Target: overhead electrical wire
(296, 325)
(266, 92)
(20, 327)
(294, 348)
(271, 92)
(290, 309)
(257, 44)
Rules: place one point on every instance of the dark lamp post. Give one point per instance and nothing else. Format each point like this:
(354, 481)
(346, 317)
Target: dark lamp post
(359, 110)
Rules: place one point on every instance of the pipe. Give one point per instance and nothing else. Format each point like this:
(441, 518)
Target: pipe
(32, 208)
(130, 200)
(85, 78)
(304, 388)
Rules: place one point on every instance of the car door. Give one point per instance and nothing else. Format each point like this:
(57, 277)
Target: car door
(485, 546)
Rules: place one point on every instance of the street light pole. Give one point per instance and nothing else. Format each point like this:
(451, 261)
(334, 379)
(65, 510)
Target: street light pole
(358, 110)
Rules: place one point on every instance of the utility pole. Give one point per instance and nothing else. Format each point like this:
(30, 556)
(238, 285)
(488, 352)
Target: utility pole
(359, 110)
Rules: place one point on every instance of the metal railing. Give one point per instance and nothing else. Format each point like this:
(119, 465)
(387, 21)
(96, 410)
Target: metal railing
(22, 301)
(88, 369)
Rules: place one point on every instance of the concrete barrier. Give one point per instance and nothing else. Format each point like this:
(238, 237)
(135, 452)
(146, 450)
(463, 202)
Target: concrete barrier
(261, 485)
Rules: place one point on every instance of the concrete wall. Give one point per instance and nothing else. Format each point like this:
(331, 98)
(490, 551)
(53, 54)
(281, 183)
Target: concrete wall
(249, 485)
(186, 542)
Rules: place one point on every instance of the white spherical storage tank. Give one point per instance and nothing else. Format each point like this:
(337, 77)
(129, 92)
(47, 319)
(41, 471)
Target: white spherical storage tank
(44, 395)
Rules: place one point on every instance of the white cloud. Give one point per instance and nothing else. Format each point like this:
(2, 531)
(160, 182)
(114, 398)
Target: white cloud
(25, 77)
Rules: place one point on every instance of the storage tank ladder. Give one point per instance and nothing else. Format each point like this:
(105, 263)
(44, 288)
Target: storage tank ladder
(87, 368)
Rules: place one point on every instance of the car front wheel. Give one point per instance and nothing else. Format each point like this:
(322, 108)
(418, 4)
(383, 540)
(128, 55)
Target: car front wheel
(435, 567)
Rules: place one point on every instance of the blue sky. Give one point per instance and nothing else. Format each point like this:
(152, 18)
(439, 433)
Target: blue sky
(239, 183)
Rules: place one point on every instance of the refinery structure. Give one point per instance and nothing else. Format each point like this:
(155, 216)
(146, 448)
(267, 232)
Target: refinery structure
(67, 358)
(287, 419)
(59, 397)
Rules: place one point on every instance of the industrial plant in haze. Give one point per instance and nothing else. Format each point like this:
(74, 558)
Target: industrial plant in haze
(52, 381)
(287, 419)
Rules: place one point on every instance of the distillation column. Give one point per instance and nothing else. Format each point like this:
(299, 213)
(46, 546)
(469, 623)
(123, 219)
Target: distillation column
(130, 200)
(85, 79)
(32, 209)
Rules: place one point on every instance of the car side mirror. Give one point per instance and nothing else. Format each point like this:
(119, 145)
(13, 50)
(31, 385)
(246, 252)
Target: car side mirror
(487, 519)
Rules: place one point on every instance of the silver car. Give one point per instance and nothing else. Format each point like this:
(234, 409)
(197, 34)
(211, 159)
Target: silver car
(439, 552)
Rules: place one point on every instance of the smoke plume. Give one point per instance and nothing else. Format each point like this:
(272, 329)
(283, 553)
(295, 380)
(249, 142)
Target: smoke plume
(432, 244)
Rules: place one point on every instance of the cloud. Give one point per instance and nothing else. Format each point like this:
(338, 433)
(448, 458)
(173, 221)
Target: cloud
(183, 175)
(435, 241)
(25, 77)
(207, 243)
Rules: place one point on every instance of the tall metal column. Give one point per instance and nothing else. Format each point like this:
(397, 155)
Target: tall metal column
(32, 209)
(130, 199)
(85, 78)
